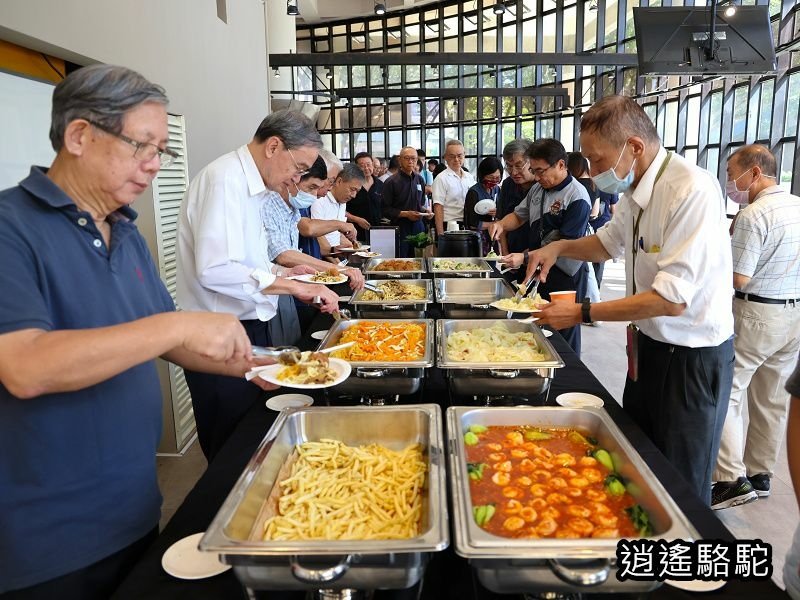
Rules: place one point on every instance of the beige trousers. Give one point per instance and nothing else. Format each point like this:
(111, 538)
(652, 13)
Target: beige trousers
(766, 346)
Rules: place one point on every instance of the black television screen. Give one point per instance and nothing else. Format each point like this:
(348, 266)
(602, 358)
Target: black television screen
(674, 40)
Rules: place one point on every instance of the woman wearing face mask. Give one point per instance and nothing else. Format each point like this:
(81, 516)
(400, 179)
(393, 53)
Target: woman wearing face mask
(489, 175)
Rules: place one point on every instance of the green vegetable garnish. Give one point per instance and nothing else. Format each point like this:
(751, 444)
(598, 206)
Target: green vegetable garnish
(533, 435)
(470, 439)
(478, 429)
(475, 470)
(604, 458)
(576, 436)
(483, 514)
(640, 520)
(614, 485)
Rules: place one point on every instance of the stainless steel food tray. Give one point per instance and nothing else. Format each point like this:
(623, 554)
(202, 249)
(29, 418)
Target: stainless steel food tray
(357, 298)
(507, 565)
(372, 263)
(483, 268)
(474, 294)
(366, 564)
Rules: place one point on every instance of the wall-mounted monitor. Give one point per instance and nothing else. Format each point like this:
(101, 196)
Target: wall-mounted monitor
(675, 40)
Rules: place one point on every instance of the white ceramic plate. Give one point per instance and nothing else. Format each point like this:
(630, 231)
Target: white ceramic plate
(579, 400)
(698, 585)
(364, 254)
(515, 310)
(482, 207)
(309, 278)
(184, 561)
(318, 335)
(342, 368)
(289, 401)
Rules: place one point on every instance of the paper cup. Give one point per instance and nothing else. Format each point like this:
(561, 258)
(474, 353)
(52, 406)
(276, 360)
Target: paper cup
(567, 296)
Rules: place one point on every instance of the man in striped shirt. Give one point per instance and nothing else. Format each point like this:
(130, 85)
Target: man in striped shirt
(766, 309)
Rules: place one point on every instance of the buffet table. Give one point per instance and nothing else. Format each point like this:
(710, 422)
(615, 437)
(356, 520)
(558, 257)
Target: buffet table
(447, 575)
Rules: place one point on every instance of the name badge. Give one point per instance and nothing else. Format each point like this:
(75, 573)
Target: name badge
(419, 188)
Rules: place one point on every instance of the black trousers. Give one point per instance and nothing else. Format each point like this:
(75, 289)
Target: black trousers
(557, 281)
(220, 402)
(680, 401)
(598, 272)
(95, 582)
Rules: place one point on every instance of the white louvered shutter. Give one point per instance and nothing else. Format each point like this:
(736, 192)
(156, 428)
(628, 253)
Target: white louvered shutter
(168, 190)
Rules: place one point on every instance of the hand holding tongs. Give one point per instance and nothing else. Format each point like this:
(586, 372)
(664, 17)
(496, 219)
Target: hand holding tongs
(338, 315)
(525, 288)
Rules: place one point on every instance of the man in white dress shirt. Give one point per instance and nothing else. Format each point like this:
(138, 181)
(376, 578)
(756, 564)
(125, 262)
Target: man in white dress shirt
(450, 187)
(671, 227)
(223, 264)
(766, 313)
(332, 206)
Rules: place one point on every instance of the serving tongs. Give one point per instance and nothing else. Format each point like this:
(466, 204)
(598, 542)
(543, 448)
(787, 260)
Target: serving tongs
(525, 289)
(374, 288)
(341, 314)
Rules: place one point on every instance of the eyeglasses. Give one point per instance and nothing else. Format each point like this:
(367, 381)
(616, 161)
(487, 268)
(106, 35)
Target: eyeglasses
(414, 158)
(540, 172)
(518, 168)
(145, 151)
(298, 171)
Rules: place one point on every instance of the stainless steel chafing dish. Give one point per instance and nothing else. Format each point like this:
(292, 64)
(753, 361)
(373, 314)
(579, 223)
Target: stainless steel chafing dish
(235, 532)
(373, 263)
(381, 308)
(480, 268)
(496, 379)
(392, 378)
(470, 298)
(507, 565)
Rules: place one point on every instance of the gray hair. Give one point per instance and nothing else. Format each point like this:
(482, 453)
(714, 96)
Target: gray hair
(514, 147)
(293, 128)
(352, 171)
(100, 93)
(451, 142)
(331, 160)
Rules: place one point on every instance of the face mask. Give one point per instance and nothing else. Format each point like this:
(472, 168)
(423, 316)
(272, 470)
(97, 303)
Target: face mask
(735, 194)
(302, 199)
(608, 181)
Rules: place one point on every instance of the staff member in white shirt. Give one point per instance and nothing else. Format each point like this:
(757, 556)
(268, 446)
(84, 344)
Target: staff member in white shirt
(450, 187)
(332, 206)
(766, 314)
(671, 226)
(222, 257)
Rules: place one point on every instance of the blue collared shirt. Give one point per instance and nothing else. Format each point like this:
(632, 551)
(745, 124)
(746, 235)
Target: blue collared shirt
(77, 469)
(280, 221)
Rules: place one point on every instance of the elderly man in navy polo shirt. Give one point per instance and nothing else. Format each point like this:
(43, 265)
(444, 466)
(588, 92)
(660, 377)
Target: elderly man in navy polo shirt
(83, 315)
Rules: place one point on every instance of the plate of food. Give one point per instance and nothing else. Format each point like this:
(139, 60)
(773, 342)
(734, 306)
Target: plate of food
(330, 277)
(492, 255)
(185, 561)
(366, 254)
(314, 370)
(525, 305)
(482, 207)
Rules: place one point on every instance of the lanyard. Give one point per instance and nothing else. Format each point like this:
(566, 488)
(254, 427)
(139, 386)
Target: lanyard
(635, 245)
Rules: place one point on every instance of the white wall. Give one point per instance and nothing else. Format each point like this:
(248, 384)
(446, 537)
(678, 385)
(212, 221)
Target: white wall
(214, 73)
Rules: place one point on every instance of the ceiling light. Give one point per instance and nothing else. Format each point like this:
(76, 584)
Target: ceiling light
(291, 8)
(380, 8)
(593, 5)
(499, 8)
(730, 10)
(276, 72)
(329, 74)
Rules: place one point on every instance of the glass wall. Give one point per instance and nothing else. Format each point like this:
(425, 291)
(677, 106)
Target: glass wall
(704, 119)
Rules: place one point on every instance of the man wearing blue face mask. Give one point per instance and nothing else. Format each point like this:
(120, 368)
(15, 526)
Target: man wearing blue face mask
(284, 224)
(766, 312)
(670, 225)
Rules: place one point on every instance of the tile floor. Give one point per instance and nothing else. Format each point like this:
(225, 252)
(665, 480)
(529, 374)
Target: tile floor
(603, 351)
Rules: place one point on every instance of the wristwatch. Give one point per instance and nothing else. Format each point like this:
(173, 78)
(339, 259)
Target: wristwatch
(586, 307)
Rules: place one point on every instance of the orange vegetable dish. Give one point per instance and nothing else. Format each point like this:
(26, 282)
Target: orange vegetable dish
(523, 486)
(398, 265)
(383, 342)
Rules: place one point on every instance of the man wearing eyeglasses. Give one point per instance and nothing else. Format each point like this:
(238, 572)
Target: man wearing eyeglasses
(223, 256)
(513, 191)
(83, 316)
(556, 207)
(450, 187)
(404, 200)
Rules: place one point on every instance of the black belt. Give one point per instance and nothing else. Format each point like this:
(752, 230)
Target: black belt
(762, 300)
